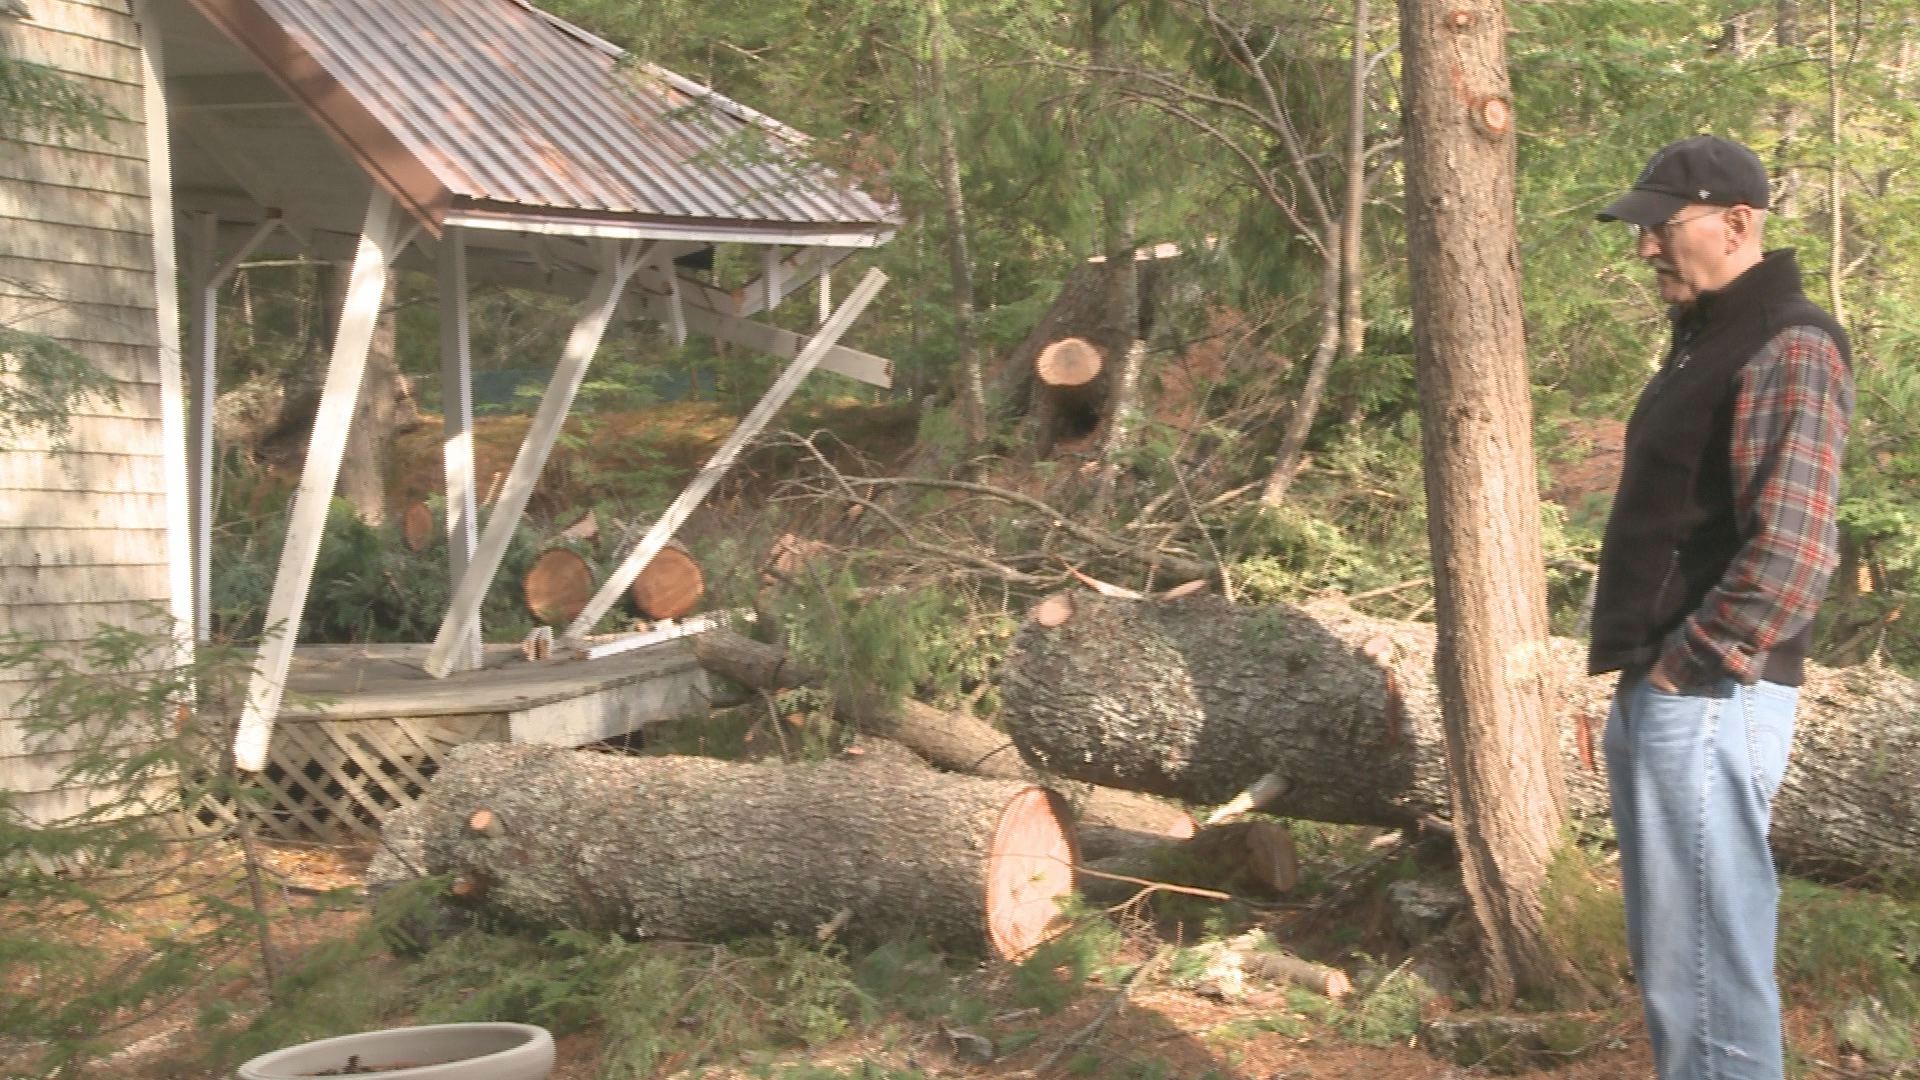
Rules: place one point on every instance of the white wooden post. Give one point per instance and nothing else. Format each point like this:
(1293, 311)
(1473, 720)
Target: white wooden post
(166, 282)
(723, 458)
(208, 279)
(676, 305)
(541, 434)
(456, 405)
(826, 294)
(770, 274)
(203, 335)
(380, 240)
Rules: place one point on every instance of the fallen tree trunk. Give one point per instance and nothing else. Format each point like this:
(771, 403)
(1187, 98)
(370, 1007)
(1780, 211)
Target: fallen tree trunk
(953, 741)
(1196, 699)
(696, 848)
(1253, 856)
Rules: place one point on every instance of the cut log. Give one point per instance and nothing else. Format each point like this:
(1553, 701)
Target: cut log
(1241, 857)
(1197, 699)
(1069, 362)
(670, 586)
(695, 848)
(417, 527)
(790, 555)
(557, 586)
(954, 741)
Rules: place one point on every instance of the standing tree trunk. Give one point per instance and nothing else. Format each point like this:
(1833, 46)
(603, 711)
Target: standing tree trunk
(375, 417)
(1836, 179)
(1343, 328)
(1286, 463)
(1123, 272)
(1483, 500)
(1353, 326)
(973, 393)
(1789, 115)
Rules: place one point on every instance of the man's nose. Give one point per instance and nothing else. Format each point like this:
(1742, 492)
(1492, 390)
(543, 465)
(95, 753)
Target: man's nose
(1646, 243)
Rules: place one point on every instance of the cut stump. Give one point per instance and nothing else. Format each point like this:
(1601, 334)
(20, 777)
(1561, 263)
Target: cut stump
(1067, 362)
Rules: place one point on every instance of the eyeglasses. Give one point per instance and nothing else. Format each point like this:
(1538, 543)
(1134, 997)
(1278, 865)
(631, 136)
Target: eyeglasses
(1663, 232)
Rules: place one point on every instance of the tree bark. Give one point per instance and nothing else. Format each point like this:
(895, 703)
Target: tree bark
(1286, 462)
(1353, 323)
(375, 418)
(1789, 115)
(1483, 499)
(1196, 699)
(697, 848)
(951, 741)
(973, 394)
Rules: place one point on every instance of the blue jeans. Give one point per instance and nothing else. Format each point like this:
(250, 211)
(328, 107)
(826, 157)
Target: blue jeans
(1693, 777)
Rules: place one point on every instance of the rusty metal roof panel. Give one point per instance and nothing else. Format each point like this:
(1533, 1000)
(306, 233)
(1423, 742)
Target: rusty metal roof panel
(511, 108)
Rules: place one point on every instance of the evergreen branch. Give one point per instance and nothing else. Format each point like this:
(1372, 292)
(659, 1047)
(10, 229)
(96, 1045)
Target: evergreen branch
(1261, 177)
(52, 381)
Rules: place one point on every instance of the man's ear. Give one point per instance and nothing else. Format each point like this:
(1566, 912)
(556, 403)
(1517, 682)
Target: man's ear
(1743, 223)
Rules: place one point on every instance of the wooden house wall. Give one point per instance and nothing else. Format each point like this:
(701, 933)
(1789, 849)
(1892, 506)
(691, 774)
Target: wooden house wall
(83, 538)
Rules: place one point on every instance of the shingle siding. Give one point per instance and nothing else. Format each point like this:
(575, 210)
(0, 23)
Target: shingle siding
(82, 520)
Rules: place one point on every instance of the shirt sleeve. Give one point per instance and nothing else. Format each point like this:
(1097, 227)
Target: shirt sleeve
(1794, 401)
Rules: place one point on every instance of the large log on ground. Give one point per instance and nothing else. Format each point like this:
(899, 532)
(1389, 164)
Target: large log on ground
(953, 741)
(696, 848)
(1196, 699)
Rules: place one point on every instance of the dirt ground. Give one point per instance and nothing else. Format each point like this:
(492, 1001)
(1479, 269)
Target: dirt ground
(1157, 1030)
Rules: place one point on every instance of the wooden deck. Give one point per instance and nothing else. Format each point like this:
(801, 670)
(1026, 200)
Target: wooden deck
(551, 702)
(364, 727)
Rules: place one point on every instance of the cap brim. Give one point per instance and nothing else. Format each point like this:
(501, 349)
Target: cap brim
(1643, 208)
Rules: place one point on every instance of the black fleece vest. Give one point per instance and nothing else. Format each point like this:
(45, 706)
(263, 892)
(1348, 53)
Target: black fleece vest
(1672, 532)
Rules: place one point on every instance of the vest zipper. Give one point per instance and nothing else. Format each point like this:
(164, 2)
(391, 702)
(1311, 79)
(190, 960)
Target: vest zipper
(1660, 594)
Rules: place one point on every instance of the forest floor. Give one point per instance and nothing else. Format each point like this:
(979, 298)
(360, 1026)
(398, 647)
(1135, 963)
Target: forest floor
(1160, 1031)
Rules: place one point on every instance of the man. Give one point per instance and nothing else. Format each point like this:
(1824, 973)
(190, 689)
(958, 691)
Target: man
(1717, 554)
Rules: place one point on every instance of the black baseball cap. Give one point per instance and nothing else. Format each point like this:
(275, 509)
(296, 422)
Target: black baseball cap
(1703, 169)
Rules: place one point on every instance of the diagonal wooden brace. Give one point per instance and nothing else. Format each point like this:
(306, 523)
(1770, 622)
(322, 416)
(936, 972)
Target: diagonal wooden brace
(382, 237)
(464, 610)
(723, 458)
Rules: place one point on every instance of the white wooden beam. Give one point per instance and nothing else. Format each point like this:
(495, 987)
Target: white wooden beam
(707, 232)
(854, 364)
(723, 458)
(380, 240)
(541, 434)
(794, 274)
(826, 294)
(166, 280)
(456, 405)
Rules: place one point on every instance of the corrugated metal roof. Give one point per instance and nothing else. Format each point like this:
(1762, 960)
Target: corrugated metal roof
(513, 109)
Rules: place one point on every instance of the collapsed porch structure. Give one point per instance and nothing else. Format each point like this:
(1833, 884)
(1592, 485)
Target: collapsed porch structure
(483, 141)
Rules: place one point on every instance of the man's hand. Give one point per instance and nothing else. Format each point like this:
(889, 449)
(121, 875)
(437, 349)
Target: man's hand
(1659, 681)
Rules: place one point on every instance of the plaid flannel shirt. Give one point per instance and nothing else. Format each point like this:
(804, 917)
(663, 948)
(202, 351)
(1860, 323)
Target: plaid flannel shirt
(1792, 407)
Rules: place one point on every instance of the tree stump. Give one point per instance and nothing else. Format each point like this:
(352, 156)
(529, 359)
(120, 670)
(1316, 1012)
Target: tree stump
(696, 848)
